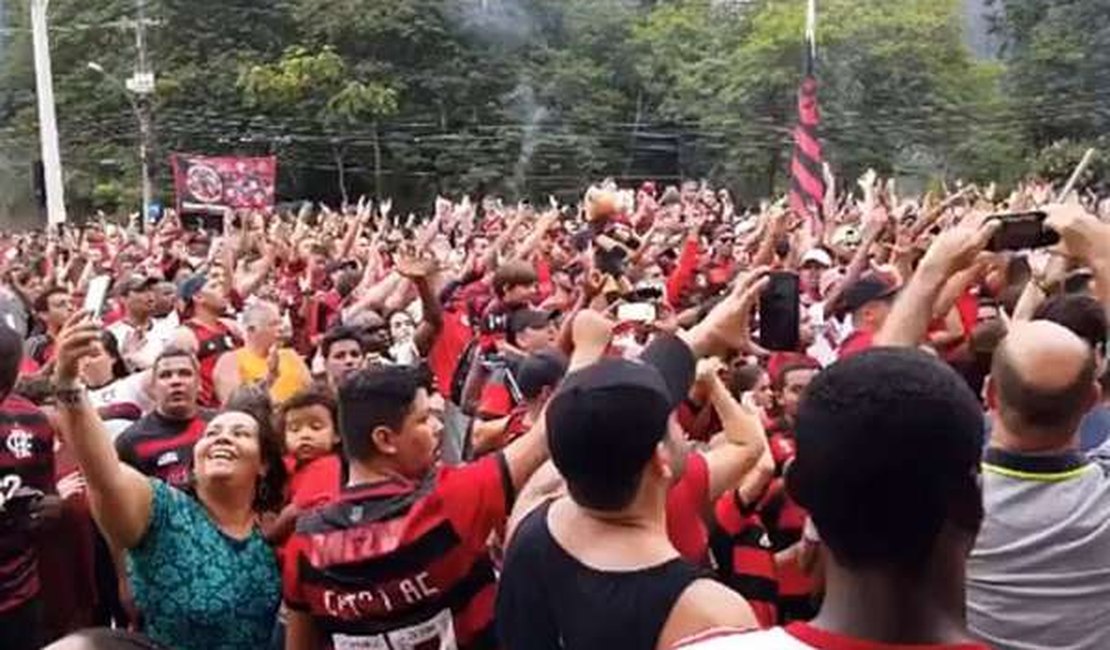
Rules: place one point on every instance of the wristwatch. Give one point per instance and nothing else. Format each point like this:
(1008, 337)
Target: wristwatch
(70, 393)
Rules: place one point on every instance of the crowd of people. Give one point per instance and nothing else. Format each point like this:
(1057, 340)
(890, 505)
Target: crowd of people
(560, 427)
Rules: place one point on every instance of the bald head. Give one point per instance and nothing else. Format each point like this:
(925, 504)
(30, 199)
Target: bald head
(1043, 379)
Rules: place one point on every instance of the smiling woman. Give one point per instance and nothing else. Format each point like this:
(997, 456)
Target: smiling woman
(201, 573)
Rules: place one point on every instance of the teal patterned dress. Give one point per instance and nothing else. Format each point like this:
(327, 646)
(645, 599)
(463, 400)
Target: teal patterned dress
(196, 587)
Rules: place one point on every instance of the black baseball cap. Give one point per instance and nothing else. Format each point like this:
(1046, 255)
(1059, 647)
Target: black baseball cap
(135, 282)
(869, 288)
(522, 319)
(606, 420)
(543, 369)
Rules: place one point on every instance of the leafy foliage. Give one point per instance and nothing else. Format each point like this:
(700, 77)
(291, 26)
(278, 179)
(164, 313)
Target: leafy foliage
(531, 97)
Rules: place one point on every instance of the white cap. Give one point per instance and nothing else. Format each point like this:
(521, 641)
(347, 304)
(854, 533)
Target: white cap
(817, 256)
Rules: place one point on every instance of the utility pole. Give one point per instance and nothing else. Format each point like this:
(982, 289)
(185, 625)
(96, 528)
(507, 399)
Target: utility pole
(48, 123)
(142, 85)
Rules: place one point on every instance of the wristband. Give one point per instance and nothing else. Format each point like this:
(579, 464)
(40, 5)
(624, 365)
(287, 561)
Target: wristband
(71, 394)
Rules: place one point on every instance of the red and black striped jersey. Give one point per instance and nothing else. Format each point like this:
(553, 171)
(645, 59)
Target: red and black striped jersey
(403, 565)
(743, 557)
(26, 463)
(162, 448)
(785, 521)
(211, 345)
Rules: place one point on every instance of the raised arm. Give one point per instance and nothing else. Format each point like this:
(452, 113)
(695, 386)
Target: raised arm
(420, 272)
(730, 463)
(872, 230)
(119, 496)
(1087, 239)
(951, 252)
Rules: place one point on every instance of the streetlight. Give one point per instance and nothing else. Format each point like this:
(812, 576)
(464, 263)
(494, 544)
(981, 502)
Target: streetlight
(140, 87)
(48, 125)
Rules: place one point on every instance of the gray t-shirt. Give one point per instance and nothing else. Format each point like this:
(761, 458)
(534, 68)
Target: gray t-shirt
(1039, 575)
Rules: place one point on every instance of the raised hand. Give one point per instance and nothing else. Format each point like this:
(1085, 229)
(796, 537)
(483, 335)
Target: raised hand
(76, 341)
(1085, 237)
(728, 325)
(416, 268)
(708, 368)
(592, 333)
(956, 248)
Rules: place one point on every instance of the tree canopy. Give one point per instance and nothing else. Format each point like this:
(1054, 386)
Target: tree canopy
(531, 97)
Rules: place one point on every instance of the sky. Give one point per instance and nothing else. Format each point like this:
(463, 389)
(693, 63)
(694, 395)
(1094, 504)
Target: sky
(979, 38)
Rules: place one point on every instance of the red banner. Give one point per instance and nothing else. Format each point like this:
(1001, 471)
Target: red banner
(210, 184)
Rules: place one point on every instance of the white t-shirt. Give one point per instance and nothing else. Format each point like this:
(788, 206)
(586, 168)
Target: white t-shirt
(829, 333)
(798, 636)
(773, 639)
(155, 339)
(129, 390)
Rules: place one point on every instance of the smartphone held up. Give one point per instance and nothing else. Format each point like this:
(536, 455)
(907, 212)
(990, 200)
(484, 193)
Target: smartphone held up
(1022, 231)
(780, 312)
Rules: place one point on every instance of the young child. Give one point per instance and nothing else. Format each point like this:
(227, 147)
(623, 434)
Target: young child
(308, 421)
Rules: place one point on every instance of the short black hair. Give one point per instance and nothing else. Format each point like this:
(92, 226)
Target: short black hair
(42, 302)
(1028, 408)
(381, 396)
(1080, 313)
(341, 333)
(347, 282)
(11, 354)
(173, 351)
(744, 378)
(889, 444)
(314, 395)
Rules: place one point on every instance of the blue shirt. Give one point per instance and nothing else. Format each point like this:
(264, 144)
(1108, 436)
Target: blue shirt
(199, 589)
(1095, 428)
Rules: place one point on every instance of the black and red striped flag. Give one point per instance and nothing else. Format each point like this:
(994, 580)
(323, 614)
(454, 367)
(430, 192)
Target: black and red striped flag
(807, 182)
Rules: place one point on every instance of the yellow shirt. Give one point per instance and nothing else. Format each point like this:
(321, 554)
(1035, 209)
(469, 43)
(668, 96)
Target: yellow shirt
(293, 374)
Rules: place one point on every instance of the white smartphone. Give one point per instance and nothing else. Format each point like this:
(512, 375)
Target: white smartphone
(636, 312)
(97, 294)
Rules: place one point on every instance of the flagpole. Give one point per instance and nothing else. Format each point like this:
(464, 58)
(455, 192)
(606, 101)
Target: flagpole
(811, 35)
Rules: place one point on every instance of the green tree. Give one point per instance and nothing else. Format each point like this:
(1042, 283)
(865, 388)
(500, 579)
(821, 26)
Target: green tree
(897, 83)
(318, 87)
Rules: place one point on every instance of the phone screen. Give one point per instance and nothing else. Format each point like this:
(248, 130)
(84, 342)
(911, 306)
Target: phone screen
(1022, 231)
(780, 313)
(636, 312)
(97, 294)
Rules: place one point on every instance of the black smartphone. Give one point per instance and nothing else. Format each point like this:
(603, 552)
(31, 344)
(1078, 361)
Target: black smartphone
(780, 316)
(1022, 231)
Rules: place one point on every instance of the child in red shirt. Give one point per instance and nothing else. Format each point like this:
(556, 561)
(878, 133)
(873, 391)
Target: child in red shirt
(308, 423)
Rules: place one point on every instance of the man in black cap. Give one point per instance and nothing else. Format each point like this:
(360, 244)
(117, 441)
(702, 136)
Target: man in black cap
(531, 330)
(133, 332)
(596, 569)
(868, 300)
(527, 331)
(537, 376)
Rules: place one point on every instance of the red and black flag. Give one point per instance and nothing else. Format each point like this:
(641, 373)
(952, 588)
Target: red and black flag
(807, 182)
